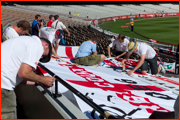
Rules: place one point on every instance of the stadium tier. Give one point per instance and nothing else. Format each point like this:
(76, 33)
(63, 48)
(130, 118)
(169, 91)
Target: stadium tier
(103, 91)
(103, 11)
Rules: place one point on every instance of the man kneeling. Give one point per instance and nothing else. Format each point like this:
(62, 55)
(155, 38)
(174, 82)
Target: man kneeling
(87, 54)
(148, 55)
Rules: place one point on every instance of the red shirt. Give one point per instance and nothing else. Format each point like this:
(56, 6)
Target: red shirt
(49, 23)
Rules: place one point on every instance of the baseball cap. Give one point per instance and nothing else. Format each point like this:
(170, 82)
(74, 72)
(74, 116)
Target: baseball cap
(59, 33)
(50, 16)
(131, 46)
(48, 57)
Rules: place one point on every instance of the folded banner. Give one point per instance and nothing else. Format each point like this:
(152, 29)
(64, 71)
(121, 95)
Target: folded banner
(114, 91)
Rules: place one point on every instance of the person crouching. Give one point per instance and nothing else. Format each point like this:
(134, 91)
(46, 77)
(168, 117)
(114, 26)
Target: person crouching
(148, 55)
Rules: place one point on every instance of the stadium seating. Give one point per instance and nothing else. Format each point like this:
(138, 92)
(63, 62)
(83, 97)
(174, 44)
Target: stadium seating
(103, 11)
(78, 28)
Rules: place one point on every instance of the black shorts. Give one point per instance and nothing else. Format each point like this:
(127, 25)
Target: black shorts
(153, 65)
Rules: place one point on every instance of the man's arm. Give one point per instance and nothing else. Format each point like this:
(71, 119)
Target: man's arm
(55, 51)
(141, 61)
(40, 27)
(94, 53)
(109, 50)
(125, 58)
(56, 47)
(121, 54)
(67, 32)
(26, 72)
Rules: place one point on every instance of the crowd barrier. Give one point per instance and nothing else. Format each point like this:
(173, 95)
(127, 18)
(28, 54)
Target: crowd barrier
(134, 16)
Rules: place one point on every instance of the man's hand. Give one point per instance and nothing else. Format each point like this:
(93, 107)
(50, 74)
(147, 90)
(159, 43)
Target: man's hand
(47, 80)
(130, 72)
(124, 60)
(43, 85)
(68, 34)
(57, 57)
(117, 57)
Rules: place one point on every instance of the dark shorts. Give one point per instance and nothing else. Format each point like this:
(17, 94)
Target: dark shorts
(119, 53)
(153, 65)
(88, 60)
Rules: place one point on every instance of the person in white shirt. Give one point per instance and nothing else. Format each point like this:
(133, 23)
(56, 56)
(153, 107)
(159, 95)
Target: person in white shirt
(147, 54)
(54, 36)
(112, 38)
(121, 46)
(87, 15)
(22, 28)
(18, 61)
(59, 25)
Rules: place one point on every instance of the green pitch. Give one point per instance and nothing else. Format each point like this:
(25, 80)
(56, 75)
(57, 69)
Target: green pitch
(161, 29)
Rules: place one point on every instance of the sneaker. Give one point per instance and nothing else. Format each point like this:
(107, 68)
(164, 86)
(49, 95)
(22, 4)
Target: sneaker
(102, 64)
(162, 69)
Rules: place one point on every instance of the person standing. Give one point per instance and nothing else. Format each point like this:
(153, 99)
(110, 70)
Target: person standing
(147, 55)
(51, 20)
(132, 25)
(37, 18)
(18, 61)
(121, 46)
(54, 36)
(87, 15)
(37, 27)
(112, 38)
(78, 14)
(22, 28)
(59, 25)
(75, 14)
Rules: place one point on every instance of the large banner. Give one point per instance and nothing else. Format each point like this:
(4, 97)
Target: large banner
(121, 95)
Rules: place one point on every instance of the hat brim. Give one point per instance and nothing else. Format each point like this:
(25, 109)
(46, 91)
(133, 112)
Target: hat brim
(45, 59)
(48, 57)
(134, 47)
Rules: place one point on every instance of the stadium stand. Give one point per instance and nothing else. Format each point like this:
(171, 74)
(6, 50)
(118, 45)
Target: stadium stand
(79, 28)
(80, 31)
(103, 11)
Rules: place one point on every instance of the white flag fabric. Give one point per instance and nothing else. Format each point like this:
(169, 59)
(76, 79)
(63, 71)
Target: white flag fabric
(113, 90)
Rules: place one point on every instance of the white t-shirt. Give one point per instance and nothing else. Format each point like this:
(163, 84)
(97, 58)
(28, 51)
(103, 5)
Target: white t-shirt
(18, 50)
(10, 33)
(48, 33)
(112, 39)
(143, 48)
(120, 46)
(60, 25)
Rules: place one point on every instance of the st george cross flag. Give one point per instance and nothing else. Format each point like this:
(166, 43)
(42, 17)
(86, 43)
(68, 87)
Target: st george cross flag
(116, 92)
